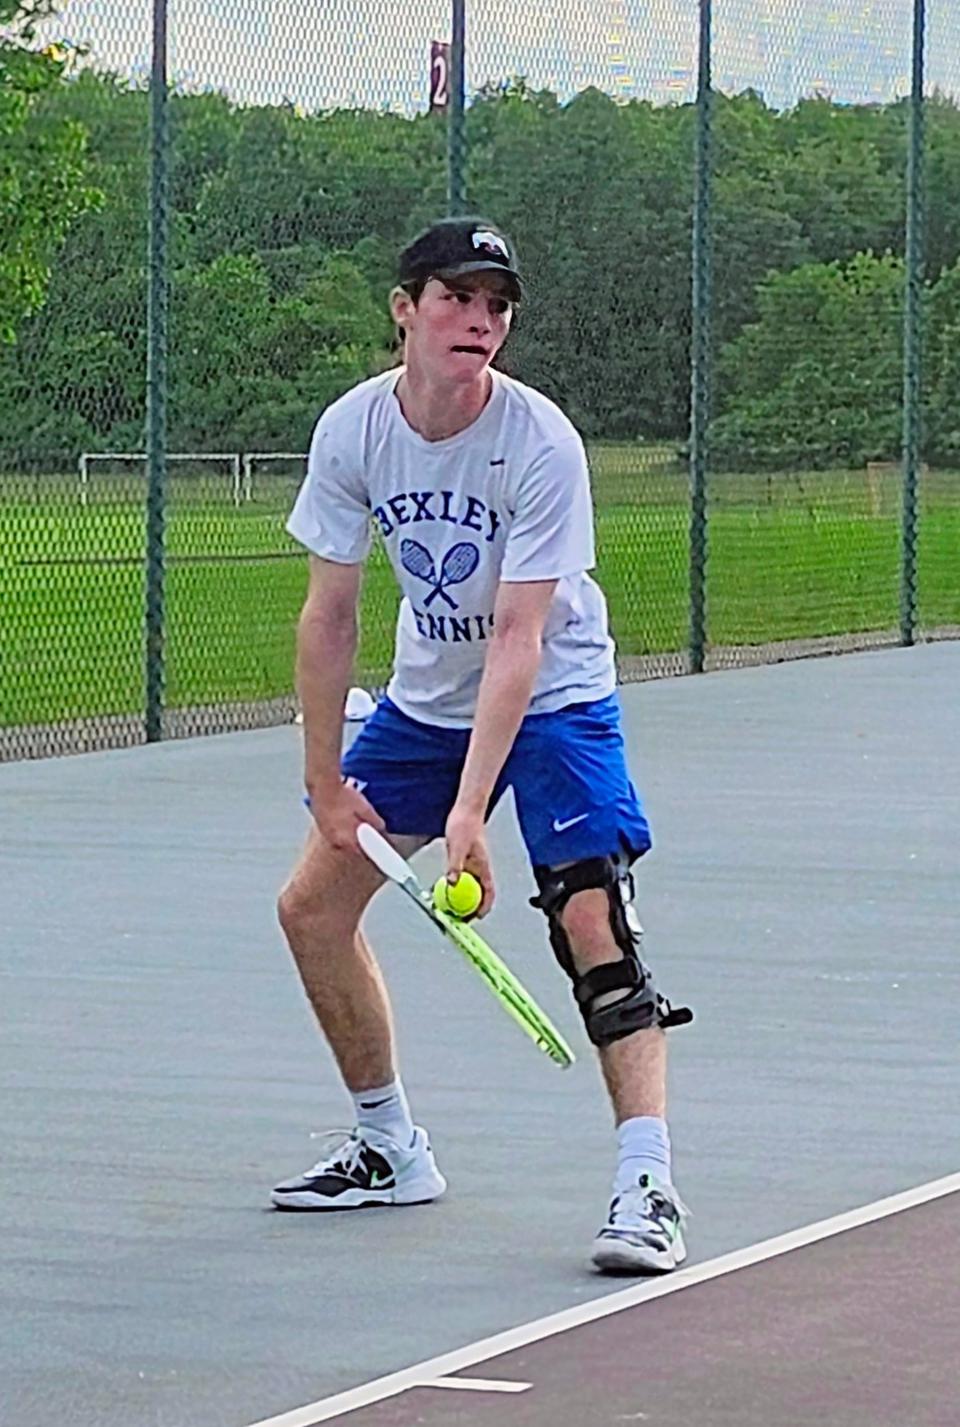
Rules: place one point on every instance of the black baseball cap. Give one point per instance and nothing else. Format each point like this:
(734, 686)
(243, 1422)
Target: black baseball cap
(455, 246)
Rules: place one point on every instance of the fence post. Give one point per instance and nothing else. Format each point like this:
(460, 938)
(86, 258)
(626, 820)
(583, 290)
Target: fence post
(913, 336)
(701, 358)
(456, 139)
(157, 298)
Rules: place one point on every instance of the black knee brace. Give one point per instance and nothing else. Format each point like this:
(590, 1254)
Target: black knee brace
(619, 997)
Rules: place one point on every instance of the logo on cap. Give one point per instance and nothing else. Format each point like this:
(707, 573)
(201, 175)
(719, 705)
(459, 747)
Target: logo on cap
(487, 242)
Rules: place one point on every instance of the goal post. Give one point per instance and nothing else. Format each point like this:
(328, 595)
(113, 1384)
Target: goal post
(286, 467)
(232, 460)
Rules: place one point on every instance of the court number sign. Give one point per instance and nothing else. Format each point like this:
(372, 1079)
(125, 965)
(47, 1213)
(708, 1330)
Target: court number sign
(439, 75)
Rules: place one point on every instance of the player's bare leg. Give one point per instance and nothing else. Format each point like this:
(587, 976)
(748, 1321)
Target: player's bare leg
(643, 1232)
(320, 910)
(634, 1068)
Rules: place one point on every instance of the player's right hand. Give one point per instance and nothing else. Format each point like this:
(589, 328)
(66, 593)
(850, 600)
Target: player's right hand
(337, 810)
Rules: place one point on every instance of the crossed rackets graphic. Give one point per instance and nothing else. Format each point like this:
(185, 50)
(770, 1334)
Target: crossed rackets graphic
(458, 565)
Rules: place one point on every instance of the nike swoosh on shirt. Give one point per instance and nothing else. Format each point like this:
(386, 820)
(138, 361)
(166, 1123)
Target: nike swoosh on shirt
(559, 826)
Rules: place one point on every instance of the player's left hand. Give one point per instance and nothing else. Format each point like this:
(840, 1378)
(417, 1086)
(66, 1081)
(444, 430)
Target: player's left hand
(467, 852)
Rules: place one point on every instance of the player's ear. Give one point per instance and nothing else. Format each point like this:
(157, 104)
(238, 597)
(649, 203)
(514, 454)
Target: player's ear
(401, 305)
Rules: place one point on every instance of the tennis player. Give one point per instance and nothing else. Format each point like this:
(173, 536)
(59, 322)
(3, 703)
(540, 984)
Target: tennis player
(504, 678)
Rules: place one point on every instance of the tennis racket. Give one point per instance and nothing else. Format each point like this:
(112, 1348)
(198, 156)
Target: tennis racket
(514, 998)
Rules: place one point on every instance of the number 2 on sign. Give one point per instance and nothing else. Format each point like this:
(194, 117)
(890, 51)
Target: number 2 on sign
(439, 75)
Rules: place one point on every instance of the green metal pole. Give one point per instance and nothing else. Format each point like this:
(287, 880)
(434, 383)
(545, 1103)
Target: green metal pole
(456, 138)
(157, 298)
(701, 359)
(913, 336)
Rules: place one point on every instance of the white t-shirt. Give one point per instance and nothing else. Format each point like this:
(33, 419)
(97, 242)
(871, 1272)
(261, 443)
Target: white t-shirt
(507, 499)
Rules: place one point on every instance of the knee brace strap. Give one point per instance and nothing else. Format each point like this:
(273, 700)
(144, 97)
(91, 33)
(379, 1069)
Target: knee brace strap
(619, 997)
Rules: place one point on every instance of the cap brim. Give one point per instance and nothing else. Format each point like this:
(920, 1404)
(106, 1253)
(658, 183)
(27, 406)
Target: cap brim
(514, 288)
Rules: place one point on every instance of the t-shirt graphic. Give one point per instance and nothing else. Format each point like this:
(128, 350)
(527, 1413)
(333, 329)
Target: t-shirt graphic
(457, 565)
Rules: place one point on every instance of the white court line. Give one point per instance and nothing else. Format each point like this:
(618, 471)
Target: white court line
(480, 1384)
(425, 1374)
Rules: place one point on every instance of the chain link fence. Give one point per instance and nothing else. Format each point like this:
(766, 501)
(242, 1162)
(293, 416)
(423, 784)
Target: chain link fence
(716, 239)
(808, 321)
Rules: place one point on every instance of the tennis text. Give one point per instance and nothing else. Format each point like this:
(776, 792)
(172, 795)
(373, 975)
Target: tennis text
(451, 630)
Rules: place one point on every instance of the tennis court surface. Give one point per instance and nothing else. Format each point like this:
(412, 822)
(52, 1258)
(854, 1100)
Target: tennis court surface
(159, 1071)
(850, 1323)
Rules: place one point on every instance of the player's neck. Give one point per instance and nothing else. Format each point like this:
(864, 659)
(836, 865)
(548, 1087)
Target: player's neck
(439, 412)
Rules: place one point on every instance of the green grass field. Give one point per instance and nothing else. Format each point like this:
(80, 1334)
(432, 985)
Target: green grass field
(790, 556)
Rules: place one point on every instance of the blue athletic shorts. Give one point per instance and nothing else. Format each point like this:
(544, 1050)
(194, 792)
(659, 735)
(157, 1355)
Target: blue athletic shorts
(568, 772)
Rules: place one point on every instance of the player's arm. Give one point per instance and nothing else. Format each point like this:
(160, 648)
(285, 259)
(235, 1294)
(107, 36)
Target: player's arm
(510, 670)
(326, 647)
(331, 519)
(551, 536)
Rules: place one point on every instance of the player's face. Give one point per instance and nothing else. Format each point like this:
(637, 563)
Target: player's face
(458, 326)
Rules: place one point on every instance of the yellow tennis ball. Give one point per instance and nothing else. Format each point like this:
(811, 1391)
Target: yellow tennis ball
(462, 897)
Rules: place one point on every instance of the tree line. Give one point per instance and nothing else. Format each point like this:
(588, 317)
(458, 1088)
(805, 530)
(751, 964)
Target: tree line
(284, 229)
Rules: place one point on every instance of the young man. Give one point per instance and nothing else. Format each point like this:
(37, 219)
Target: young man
(504, 677)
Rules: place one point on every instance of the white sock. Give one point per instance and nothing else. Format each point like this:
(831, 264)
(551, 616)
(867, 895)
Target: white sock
(385, 1109)
(643, 1148)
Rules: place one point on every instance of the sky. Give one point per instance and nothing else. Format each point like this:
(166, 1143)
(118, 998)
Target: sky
(375, 53)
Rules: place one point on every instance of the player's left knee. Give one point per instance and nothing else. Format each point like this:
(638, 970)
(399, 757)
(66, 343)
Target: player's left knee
(586, 921)
(616, 997)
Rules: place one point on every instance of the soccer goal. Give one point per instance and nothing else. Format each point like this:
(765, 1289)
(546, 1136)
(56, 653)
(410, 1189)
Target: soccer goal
(112, 476)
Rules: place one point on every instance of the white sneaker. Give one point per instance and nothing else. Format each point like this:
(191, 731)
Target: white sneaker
(363, 1168)
(644, 1230)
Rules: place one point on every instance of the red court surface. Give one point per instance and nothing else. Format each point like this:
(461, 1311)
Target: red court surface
(857, 1329)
